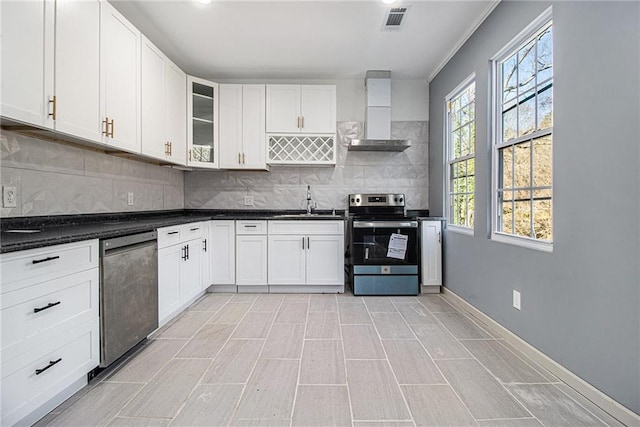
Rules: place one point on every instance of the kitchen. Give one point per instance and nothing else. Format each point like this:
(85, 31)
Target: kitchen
(61, 178)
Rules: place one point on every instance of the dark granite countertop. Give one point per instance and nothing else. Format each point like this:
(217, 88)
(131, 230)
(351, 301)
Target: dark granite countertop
(59, 229)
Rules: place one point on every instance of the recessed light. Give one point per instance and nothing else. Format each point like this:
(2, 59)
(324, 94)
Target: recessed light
(388, 1)
(207, 1)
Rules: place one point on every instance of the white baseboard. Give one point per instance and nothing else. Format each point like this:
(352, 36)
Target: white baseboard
(606, 403)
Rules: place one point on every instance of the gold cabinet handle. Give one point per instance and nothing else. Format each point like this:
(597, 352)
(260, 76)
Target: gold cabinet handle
(243, 158)
(302, 126)
(239, 157)
(189, 154)
(298, 122)
(166, 148)
(170, 148)
(53, 113)
(105, 122)
(112, 128)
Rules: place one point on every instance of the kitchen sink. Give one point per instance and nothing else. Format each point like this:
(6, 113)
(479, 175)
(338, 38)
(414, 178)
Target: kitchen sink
(311, 215)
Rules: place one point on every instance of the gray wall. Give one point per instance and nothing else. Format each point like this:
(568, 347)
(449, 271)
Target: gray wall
(54, 179)
(580, 304)
(284, 187)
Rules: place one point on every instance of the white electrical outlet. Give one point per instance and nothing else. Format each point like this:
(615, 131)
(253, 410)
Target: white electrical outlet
(248, 200)
(9, 197)
(516, 299)
(130, 199)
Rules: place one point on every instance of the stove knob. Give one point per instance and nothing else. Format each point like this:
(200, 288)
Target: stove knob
(357, 200)
(401, 199)
(353, 200)
(395, 200)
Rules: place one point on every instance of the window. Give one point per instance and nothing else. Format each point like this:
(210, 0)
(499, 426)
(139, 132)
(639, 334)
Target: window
(522, 151)
(461, 143)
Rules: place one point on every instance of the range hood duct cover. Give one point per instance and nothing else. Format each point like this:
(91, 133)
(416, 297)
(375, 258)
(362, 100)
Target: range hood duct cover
(377, 128)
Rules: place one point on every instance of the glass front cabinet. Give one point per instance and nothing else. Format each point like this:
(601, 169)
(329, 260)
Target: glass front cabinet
(203, 123)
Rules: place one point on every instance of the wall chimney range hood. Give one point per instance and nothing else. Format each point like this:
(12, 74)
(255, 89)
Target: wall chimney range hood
(377, 127)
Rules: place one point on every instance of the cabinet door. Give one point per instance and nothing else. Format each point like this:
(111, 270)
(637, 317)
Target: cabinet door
(287, 259)
(318, 109)
(253, 127)
(152, 101)
(169, 261)
(27, 60)
(119, 55)
(175, 109)
(230, 129)
(202, 130)
(325, 260)
(251, 260)
(190, 274)
(431, 253)
(77, 69)
(223, 251)
(205, 256)
(283, 108)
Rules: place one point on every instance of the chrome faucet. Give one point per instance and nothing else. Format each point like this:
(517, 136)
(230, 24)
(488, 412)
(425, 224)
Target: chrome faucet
(311, 204)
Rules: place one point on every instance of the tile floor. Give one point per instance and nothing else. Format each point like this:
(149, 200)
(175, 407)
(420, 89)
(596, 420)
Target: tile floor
(307, 360)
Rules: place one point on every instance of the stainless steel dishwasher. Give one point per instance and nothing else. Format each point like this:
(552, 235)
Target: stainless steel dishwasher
(128, 293)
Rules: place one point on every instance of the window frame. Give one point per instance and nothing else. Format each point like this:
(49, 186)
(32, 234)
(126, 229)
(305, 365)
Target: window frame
(448, 161)
(518, 42)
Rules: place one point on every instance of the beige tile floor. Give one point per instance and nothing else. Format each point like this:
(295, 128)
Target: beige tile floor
(317, 360)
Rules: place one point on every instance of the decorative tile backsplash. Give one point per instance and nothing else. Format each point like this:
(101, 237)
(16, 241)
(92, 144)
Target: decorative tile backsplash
(53, 178)
(284, 187)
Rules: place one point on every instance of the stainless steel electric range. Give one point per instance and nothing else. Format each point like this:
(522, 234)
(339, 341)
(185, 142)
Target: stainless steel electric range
(383, 246)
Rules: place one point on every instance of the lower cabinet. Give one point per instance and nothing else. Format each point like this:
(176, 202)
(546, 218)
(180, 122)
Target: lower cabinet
(222, 255)
(306, 256)
(431, 256)
(179, 269)
(205, 261)
(50, 335)
(251, 256)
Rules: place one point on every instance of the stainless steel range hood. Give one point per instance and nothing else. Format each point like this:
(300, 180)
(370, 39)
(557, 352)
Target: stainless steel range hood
(377, 128)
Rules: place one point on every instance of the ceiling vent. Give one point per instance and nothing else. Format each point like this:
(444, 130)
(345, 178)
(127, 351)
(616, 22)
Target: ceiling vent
(394, 19)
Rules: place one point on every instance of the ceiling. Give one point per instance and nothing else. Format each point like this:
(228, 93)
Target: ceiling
(236, 39)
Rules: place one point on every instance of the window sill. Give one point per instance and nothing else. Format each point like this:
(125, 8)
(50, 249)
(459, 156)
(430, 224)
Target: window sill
(460, 230)
(522, 242)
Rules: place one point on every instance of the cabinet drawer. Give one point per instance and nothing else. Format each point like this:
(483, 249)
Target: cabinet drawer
(61, 304)
(168, 236)
(22, 390)
(20, 269)
(191, 231)
(251, 227)
(310, 227)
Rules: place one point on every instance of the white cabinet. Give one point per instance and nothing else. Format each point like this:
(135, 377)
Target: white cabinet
(223, 251)
(77, 69)
(242, 126)
(27, 36)
(205, 260)
(179, 268)
(301, 125)
(202, 129)
(50, 327)
(306, 254)
(301, 109)
(163, 106)
(431, 256)
(120, 80)
(251, 256)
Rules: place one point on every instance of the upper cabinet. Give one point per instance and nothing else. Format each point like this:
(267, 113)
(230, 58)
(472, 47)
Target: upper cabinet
(301, 124)
(242, 126)
(27, 61)
(163, 106)
(301, 109)
(120, 80)
(202, 115)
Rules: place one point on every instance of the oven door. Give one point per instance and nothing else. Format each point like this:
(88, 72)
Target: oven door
(370, 242)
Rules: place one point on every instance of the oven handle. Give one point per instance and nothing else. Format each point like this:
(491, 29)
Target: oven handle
(385, 224)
